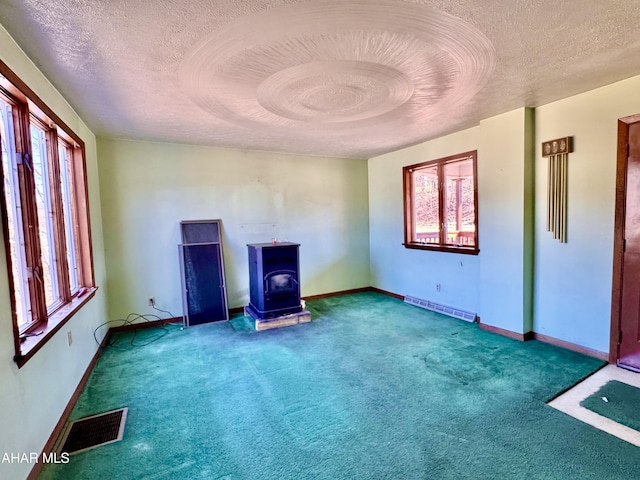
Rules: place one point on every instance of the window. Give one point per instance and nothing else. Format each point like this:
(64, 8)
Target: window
(44, 210)
(441, 199)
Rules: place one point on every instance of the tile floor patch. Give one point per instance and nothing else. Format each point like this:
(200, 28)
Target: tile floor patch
(569, 402)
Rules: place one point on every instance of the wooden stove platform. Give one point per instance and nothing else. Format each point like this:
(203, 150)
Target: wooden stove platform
(283, 321)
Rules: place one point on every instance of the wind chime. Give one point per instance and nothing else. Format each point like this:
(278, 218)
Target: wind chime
(558, 153)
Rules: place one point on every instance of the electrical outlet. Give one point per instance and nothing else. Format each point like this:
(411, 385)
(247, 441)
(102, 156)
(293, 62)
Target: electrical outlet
(437, 287)
(69, 337)
(152, 301)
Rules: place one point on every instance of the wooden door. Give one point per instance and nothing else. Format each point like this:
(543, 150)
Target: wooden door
(629, 336)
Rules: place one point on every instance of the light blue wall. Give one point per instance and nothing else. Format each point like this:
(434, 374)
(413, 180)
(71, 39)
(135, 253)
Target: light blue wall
(522, 278)
(573, 280)
(501, 197)
(490, 284)
(416, 272)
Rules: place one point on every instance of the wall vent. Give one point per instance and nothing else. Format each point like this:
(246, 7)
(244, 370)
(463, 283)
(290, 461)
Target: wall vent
(444, 309)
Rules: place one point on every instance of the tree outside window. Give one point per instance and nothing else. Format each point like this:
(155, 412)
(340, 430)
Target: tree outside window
(441, 204)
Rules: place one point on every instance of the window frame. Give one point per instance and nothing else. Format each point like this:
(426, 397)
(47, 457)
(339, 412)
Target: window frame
(29, 109)
(409, 204)
(51, 225)
(16, 215)
(69, 214)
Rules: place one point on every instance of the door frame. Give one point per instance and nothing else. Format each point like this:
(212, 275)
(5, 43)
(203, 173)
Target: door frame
(618, 234)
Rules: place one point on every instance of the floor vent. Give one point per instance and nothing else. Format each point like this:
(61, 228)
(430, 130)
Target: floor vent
(444, 309)
(90, 432)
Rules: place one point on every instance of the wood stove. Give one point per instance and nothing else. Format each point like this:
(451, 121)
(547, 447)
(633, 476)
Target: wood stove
(274, 270)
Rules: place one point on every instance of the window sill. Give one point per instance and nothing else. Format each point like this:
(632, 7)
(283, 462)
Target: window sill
(42, 333)
(443, 248)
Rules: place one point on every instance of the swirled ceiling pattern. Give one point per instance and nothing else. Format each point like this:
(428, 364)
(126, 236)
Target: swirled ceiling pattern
(344, 78)
(332, 69)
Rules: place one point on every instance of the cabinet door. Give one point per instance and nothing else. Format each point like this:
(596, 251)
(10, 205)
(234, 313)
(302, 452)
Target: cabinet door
(204, 291)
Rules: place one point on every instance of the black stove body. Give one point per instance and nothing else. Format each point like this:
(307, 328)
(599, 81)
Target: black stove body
(274, 288)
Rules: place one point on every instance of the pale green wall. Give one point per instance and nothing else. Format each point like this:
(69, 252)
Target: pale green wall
(33, 398)
(491, 284)
(573, 280)
(148, 188)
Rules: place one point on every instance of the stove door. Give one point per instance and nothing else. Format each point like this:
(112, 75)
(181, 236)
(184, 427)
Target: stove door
(280, 283)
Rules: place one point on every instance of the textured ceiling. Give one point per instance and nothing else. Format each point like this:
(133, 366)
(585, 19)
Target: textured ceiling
(352, 78)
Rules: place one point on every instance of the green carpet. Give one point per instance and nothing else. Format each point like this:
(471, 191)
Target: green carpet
(372, 389)
(622, 405)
